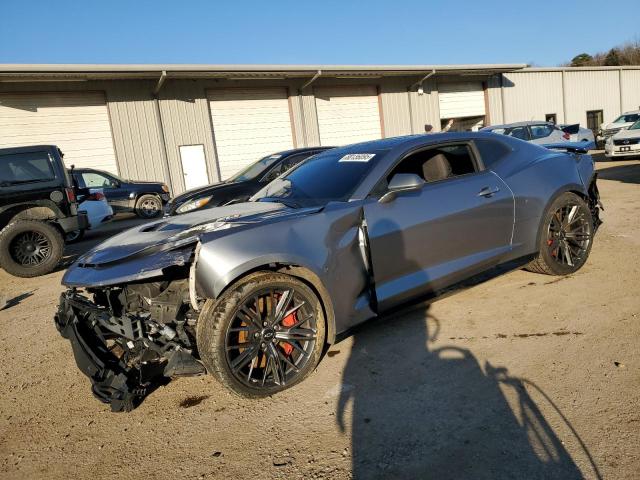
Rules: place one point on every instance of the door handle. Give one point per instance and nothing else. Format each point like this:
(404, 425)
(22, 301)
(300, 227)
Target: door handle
(488, 191)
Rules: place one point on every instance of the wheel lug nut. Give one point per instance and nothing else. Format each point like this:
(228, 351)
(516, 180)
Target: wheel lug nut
(264, 324)
(256, 335)
(263, 344)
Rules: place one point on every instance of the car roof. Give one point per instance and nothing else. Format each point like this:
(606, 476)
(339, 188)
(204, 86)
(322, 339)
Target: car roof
(292, 151)
(518, 124)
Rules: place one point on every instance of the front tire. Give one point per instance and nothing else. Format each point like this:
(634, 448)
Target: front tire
(148, 206)
(30, 248)
(566, 237)
(263, 335)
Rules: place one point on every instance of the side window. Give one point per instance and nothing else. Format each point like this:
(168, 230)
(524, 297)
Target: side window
(541, 131)
(437, 164)
(518, 132)
(25, 167)
(96, 180)
(491, 151)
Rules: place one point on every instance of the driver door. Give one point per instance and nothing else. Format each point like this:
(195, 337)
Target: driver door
(459, 223)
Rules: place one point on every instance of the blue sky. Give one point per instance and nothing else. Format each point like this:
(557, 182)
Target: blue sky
(323, 32)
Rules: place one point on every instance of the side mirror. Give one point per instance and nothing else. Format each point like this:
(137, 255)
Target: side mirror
(402, 182)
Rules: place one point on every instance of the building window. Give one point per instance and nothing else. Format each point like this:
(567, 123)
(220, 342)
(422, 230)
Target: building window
(551, 117)
(595, 118)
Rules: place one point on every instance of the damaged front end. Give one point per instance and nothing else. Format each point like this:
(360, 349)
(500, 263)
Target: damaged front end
(130, 339)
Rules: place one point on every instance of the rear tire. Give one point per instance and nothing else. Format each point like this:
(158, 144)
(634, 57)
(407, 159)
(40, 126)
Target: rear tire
(75, 236)
(29, 248)
(566, 237)
(148, 206)
(243, 316)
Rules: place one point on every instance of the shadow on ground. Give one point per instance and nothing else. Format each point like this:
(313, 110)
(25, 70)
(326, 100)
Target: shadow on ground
(621, 173)
(421, 412)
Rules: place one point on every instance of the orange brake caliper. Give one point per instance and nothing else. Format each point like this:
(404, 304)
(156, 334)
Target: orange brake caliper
(289, 321)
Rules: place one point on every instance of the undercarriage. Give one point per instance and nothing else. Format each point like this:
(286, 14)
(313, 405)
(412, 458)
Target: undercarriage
(131, 339)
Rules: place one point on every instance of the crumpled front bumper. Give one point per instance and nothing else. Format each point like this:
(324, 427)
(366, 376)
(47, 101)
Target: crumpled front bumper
(113, 382)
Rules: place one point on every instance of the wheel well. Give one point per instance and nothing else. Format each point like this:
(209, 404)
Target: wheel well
(27, 212)
(309, 278)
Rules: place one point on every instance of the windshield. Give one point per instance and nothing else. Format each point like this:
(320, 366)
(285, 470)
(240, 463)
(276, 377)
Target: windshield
(255, 169)
(635, 126)
(326, 177)
(626, 118)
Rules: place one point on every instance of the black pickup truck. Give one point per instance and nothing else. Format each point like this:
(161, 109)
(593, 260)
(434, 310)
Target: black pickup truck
(38, 207)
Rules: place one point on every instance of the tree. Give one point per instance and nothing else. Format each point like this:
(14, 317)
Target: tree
(613, 58)
(581, 60)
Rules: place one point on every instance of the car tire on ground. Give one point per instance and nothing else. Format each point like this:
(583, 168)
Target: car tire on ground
(566, 237)
(149, 206)
(278, 317)
(29, 248)
(74, 236)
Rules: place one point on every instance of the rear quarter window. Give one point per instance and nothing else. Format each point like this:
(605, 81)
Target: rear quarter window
(491, 151)
(26, 168)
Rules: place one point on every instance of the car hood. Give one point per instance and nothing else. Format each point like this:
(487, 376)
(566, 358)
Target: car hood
(612, 126)
(626, 134)
(182, 230)
(200, 191)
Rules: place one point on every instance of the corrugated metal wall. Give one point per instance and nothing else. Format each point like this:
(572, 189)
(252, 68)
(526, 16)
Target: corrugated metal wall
(591, 90)
(630, 90)
(142, 127)
(530, 96)
(136, 131)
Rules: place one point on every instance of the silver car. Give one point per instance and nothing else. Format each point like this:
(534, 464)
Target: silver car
(543, 133)
(253, 292)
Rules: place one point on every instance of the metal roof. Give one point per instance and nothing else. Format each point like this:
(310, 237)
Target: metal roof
(118, 71)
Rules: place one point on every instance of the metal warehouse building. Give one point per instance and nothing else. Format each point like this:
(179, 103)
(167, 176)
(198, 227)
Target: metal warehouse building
(189, 125)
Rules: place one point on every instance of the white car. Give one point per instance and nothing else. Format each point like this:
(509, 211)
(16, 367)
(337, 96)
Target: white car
(99, 212)
(625, 143)
(624, 121)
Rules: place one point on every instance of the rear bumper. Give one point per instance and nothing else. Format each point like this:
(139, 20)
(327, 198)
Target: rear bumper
(113, 381)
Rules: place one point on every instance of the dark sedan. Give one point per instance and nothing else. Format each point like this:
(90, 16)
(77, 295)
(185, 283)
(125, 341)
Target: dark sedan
(145, 199)
(243, 184)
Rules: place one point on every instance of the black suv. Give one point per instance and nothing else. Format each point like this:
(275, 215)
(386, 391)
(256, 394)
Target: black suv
(37, 208)
(145, 199)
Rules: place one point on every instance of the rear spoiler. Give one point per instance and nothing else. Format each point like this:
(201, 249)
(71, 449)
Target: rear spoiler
(573, 147)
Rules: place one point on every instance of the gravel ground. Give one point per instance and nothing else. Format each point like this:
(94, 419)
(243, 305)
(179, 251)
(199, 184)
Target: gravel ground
(523, 376)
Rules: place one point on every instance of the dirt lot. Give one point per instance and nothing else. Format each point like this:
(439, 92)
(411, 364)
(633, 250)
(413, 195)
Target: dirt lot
(524, 376)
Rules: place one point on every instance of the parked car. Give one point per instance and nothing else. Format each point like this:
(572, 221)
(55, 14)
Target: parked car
(255, 290)
(145, 199)
(37, 208)
(624, 143)
(622, 122)
(543, 133)
(241, 185)
(93, 202)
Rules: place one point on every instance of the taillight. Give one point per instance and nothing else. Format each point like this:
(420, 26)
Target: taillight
(97, 197)
(566, 136)
(71, 195)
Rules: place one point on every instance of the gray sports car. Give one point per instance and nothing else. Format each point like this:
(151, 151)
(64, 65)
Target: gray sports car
(252, 292)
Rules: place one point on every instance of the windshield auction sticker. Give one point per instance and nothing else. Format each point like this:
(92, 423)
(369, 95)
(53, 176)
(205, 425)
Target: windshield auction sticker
(357, 157)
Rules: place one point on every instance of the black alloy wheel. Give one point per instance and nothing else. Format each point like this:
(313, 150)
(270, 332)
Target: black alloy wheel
(271, 337)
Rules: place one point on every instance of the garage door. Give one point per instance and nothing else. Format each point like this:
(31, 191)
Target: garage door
(461, 99)
(78, 123)
(348, 114)
(249, 124)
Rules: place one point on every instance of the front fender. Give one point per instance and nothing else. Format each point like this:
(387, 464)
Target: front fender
(326, 244)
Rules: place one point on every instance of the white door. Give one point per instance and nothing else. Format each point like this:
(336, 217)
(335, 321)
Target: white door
(461, 99)
(77, 122)
(194, 166)
(249, 124)
(348, 114)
